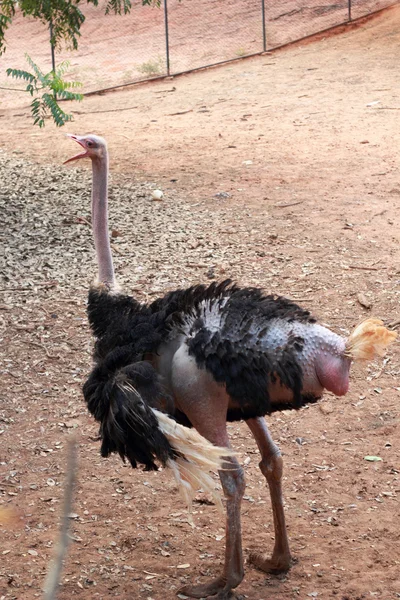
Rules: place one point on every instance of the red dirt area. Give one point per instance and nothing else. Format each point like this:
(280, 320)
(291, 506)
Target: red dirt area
(280, 171)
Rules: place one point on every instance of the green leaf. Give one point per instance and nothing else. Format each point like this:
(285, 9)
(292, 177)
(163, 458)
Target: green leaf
(38, 112)
(66, 95)
(53, 86)
(5, 22)
(34, 66)
(59, 116)
(62, 68)
(18, 74)
(372, 458)
(118, 7)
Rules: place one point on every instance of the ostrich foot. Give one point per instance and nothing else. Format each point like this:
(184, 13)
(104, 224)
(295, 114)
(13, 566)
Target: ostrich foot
(276, 564)
(228, 595)
(213, 590)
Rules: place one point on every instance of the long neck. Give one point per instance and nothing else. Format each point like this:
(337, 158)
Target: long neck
(100, 221)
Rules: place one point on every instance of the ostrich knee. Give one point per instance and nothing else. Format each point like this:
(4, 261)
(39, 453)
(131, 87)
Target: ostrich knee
(233, 482)
(272, 468)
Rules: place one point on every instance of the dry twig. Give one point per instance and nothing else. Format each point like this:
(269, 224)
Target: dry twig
(288, 204)
(54, 573)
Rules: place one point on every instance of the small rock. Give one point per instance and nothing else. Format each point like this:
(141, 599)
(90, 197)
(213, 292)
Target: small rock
(157, 195)
(71, 424)
(326, 408)
(363, 300)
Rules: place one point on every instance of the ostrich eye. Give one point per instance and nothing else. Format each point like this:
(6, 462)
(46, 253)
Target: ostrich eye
(90, 144)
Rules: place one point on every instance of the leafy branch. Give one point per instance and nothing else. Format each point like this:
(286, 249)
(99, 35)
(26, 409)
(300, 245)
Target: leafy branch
(65, 17)
(47, 88)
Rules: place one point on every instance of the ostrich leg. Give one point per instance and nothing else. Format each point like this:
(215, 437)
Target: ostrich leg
(221, 587)
(205, 404)
(271, 468)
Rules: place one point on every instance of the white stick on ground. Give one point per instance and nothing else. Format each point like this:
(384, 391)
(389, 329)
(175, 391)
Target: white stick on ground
(54, 573)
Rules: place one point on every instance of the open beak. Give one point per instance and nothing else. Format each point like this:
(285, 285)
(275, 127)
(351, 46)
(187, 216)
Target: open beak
(81, 154)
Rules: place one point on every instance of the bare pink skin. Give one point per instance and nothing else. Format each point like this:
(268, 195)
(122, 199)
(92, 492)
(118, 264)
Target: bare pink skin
(333, 373)
(322, 356)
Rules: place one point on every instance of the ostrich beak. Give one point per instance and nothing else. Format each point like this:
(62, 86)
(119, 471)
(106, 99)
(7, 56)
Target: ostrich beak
(81, 154)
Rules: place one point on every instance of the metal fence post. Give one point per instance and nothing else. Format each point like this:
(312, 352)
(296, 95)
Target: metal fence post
(349, 10)
(166, 35)
(263, 25)
(53, 58)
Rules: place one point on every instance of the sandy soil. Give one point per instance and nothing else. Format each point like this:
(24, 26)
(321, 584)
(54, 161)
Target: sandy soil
(279, 171)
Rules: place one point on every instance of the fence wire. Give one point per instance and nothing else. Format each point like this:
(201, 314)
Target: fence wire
(177, 36)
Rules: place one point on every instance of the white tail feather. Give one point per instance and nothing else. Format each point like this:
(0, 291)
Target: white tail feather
(197, 457)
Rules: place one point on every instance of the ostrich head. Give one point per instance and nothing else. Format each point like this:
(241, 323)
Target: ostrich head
(94, 146)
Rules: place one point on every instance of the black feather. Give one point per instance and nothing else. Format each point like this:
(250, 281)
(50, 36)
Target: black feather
(105, 309)
(121, 400)
(234, 356)
(122, 388)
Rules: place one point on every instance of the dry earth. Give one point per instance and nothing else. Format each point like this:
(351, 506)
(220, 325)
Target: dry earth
(280, 171)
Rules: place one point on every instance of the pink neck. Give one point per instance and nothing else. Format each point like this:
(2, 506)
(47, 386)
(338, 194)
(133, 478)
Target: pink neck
(100, 221)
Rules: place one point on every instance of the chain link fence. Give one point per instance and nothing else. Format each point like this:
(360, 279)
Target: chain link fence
(176, 37)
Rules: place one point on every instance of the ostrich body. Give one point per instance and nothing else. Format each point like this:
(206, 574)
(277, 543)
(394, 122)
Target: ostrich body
(203, 356)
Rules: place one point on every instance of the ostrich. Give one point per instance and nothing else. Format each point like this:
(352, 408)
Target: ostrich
(201, 357)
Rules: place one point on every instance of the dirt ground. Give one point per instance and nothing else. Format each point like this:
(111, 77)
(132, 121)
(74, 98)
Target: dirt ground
(279, 171)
